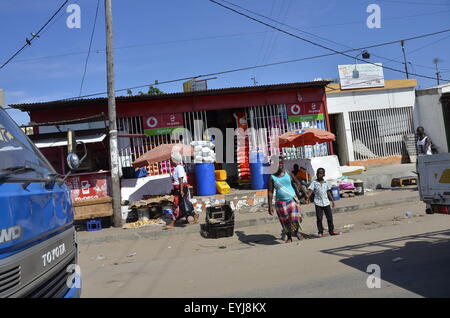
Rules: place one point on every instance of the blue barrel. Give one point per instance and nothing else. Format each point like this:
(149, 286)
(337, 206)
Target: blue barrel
(259, 179)
(205, 179)
(335, 193)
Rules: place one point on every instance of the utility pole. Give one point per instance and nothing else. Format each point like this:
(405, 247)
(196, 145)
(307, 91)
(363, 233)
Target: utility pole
(404, 58)
(254, 81)
(117, 206)
(436, 61)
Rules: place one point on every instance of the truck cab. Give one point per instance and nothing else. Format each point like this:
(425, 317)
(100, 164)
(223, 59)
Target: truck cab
(38, 248)
(434, 182)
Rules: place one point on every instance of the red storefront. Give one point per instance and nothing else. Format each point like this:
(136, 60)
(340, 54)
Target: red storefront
(146, 121)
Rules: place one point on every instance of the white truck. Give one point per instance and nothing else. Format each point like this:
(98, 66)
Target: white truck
(434, 182)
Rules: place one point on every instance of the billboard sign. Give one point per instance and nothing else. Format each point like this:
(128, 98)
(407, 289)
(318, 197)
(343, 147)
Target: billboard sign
(162, 124)
(361, 76)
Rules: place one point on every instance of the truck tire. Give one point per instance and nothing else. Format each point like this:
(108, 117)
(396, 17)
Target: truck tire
(429, 211)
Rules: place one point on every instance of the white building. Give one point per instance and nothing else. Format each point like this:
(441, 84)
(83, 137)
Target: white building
(433, 113)
(370, 123)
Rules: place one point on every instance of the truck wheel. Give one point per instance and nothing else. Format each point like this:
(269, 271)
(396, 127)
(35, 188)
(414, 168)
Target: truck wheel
(429, 211)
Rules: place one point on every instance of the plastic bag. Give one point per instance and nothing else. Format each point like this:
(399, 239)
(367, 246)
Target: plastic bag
(186, 206)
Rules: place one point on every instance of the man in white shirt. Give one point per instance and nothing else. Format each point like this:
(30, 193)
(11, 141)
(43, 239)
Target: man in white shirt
(322, 201)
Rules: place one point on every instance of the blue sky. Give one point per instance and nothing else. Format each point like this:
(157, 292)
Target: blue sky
(172, 39)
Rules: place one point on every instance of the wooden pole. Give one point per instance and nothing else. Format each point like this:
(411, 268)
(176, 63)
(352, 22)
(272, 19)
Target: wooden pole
(113, 149)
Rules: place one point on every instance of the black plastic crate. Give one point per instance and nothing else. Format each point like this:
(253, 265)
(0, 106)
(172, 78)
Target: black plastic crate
(220, 230)
(221, 212)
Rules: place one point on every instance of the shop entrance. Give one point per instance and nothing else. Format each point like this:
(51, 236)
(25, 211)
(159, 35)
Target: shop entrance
(337, 127)
(221, 120)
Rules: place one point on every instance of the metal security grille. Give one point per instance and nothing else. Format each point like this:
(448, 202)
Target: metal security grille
(271, 121)
(133, 143)
(379, 133)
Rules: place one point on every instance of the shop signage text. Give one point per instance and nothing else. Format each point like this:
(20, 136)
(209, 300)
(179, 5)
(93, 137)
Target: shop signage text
(305, 112)
(162, 124)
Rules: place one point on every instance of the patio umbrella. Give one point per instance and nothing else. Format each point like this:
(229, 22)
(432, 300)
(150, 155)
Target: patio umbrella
(161, 153)
(305, 137)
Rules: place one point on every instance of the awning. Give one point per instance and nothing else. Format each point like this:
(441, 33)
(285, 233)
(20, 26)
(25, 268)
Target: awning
(56, 142)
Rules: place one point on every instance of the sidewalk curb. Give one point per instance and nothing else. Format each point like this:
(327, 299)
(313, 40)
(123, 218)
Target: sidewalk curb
(142, 233)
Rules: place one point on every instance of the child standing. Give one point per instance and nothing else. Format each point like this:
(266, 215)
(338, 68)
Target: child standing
(322, 199)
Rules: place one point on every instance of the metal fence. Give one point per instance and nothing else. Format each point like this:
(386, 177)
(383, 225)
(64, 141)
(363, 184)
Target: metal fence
(133, 143)
(271, 121)
(379, 133)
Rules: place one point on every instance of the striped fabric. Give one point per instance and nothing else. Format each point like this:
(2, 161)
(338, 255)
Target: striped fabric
(289, 215)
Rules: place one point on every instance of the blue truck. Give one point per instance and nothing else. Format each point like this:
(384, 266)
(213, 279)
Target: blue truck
(38, 248)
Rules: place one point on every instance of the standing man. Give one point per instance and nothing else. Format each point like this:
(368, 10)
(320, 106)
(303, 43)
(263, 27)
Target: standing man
(288, 210)
(424, 143)
(322, 199)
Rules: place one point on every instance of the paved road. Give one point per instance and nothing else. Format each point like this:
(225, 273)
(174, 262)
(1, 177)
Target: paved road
(256, 263)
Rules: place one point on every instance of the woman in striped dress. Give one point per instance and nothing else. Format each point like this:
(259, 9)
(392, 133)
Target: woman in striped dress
(287, 209)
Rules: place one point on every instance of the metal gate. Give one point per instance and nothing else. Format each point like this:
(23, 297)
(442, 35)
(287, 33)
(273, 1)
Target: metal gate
(379, 133)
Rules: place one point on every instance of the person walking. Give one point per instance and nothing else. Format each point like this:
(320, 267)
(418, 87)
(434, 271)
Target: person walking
(322, 201)
(180, 190)
(288, 210)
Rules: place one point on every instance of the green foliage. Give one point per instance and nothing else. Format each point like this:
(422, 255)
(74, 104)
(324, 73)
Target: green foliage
(151, 91)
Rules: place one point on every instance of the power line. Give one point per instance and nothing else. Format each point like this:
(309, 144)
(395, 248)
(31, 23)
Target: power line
(312, 34)
(90, 45)
(260, 66)
(206, 38)
(34, 35)
(314, 43)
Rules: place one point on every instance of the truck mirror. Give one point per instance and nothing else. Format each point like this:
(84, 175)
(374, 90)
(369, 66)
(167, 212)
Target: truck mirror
(73, 161)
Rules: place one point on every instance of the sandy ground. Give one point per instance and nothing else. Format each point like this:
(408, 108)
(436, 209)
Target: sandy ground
(255, 262)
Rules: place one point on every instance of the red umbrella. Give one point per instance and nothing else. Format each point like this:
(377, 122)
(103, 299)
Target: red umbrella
(161, 153)
(305, 137)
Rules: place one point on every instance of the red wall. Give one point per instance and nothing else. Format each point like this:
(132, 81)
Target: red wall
(185, 104)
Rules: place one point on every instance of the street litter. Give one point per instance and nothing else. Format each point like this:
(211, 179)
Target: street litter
(348, 226)
(397, 259)
(409, 214)
(138, 224)
(101, 258)
(132, 254)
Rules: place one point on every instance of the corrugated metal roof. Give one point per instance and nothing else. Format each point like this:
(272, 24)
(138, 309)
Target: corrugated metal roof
(221, 91)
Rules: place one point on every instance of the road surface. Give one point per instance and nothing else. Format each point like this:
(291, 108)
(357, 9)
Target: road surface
(413, 254)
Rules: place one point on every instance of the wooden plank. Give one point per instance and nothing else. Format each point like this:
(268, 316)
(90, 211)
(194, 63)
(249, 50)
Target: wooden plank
(92, 201)
(94, 210)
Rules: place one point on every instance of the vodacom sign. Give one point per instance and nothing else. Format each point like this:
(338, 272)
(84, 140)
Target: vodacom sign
(152, 122)
(295, 109)
(162, 124)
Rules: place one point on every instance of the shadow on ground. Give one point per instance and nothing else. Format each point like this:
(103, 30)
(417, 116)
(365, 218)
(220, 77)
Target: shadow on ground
(420, 265)
(254, 239)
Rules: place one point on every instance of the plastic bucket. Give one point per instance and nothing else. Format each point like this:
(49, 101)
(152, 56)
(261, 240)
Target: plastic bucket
(205, 179)
(335, 193)
(359, 187)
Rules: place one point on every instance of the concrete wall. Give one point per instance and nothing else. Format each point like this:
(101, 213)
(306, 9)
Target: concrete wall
(429, 115)
(345, 102)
